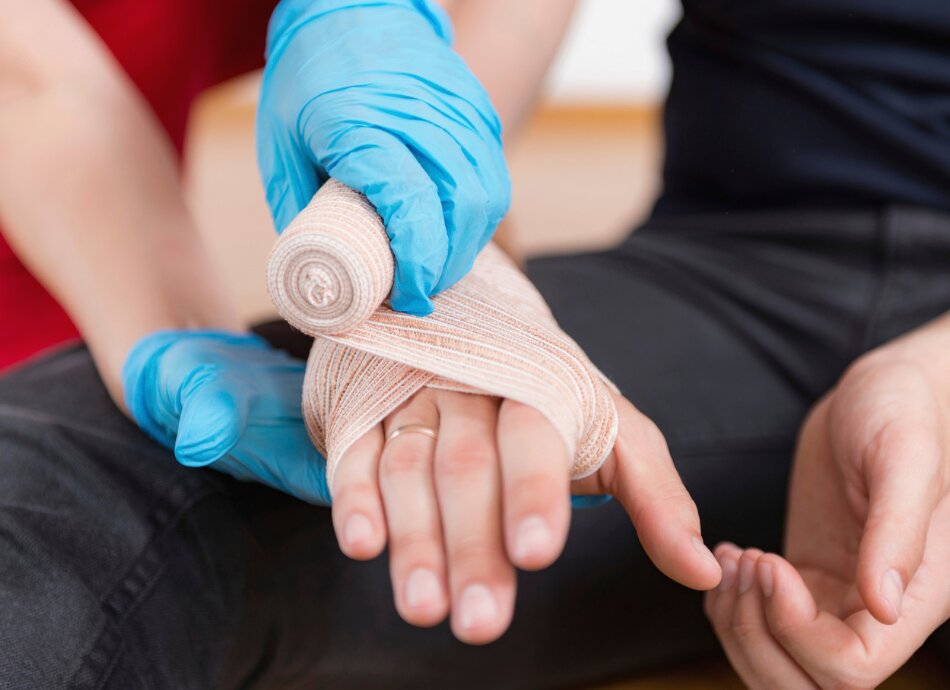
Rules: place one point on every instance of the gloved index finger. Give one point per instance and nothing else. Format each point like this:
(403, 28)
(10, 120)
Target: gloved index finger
(382, 168)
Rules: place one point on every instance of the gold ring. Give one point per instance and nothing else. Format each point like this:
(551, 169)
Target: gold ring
(411, 429)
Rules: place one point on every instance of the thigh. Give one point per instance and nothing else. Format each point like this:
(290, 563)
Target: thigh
(118, 567)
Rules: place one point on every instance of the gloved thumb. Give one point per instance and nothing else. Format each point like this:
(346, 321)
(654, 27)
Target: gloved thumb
(213, 419)
(901, 473)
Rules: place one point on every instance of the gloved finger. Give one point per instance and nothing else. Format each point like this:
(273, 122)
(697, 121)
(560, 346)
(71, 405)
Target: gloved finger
(289, 174)
(535, 471)
(213, 418)
(382, 168)
(451, 159)
(278, 393)
(471, 214)
(280, 455)
(904, 476)
(645, 481)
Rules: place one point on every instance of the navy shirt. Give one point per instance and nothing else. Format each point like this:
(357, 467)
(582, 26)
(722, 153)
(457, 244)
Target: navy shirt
(779, 103)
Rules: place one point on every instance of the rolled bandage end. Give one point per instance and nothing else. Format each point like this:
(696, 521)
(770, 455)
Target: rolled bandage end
(333, 266)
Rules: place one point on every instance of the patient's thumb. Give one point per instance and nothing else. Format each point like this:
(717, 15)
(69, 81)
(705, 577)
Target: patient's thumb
(213, 419)
(649, 487)
(903, 492)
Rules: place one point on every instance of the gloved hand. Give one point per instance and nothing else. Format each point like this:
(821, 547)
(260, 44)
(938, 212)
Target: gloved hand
(372, 94)
(226, 400)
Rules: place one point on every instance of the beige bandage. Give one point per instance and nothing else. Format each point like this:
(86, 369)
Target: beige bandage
(492, 333)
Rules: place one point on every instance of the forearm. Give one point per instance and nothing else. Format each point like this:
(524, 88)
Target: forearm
(510, 46)
(89, 192)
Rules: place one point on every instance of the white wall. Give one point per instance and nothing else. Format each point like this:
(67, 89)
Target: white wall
(615, 53)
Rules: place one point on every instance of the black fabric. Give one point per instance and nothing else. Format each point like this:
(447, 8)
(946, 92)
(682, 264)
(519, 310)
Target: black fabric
(792, 103)
(120, 569)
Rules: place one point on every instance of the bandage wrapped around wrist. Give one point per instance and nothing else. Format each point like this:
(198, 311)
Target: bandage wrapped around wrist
(492, 333)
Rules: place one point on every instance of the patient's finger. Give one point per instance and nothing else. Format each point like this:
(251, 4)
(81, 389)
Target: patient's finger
(416, 553)
(770, 666)
(535, 476)
(481, 578)
(825, 646)
(719, 604)
(644, 479)
(357, 509)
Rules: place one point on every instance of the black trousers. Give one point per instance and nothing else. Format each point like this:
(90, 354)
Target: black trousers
(119, 569)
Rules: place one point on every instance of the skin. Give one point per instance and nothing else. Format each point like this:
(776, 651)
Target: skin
(863, 583)
(510, 46)
(503, 462)
(90, 196)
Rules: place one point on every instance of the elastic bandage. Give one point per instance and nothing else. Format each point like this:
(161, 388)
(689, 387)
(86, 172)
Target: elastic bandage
(492, 333)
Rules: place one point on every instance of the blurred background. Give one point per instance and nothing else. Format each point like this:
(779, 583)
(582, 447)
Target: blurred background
(594, 145)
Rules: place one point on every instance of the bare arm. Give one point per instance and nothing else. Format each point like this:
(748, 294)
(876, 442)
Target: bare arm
(89, 190)
(510, 46)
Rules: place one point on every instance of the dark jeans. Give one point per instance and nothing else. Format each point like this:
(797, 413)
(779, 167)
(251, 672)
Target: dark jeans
(120, 569)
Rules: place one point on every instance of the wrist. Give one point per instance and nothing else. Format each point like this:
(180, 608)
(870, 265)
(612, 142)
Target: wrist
(292, 15)
(173, 295)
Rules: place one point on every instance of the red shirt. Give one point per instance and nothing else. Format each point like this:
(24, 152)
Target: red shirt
(172, 50)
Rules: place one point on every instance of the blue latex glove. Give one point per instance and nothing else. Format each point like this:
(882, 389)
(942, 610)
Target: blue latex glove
(371, 93)
(229, 401)
(584, 502)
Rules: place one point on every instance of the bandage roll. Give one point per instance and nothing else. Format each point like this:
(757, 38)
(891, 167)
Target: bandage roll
(332, 267)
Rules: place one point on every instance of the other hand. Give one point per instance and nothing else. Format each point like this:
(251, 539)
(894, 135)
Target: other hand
(491, 493)
(228, 401)
(867, 543)
(372, 94)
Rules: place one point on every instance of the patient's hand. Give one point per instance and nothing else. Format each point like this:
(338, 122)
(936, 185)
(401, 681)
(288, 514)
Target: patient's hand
(867, 543)
(492, 493)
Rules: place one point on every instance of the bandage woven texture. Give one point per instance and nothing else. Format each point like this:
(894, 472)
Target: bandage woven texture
(491, 333)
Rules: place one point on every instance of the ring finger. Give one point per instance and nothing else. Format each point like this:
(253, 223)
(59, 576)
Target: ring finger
(417, 557)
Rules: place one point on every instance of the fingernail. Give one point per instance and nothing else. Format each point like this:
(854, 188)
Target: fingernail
(892, 589)
(357, 529)
(746, 574)
(729, 567)
(766, 577)
(423, 589)
(704, 550)
(477, 607)
(533, 538)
